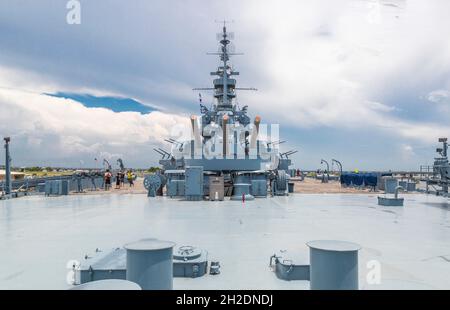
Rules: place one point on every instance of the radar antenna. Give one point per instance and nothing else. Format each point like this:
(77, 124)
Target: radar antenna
(224, 85)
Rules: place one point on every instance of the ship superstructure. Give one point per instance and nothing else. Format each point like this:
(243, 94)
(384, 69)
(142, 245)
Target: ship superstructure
(225, 143)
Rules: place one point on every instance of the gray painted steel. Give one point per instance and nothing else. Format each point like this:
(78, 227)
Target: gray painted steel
(65, 187)
(58, 229)
(152, 183)
(48, 189)
(280, 184)
(291, 187)
(403, 184)
(441, 169)
(189, 262)
(241, 190)
(8, 181)
(150, 264)
(411, 186)
(193, 189)
(325, 177)
(284, 163)
(87, 182)
(216, 188)
(285, 270)
(334, 265)
(390, 185)
(102, 266)
(394, 201)
(176, 188)
(290, 265)
(241, 148)
(57, 187)
(339, 164)
(175, 182)
(122, 285)
(390, 201)
(381, 182)
(226, 164)
(40, 188)
(242, 177)
(215, 268)
(259, 188)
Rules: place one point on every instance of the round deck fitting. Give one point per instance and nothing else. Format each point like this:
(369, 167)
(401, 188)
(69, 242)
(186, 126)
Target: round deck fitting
(149, 244)
(186, 252)
(334, 265)
(152, 180)
(242, 189)
(390, 202)
(112, 284)
(150, 263)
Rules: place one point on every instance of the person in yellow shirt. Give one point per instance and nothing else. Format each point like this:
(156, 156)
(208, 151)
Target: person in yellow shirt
(130, 178)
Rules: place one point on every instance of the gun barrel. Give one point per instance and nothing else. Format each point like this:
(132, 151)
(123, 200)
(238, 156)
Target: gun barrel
(255, 132)
(225, 138)
(196, 133)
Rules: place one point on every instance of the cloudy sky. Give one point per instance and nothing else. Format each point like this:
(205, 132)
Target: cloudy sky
(363, 81)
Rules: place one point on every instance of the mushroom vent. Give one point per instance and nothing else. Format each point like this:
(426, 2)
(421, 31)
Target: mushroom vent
(186, 253)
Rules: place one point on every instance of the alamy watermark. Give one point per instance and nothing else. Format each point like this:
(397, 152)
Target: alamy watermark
(374, 15)
(229, 141)
(373, 276)
(73, 16)
(73, 266)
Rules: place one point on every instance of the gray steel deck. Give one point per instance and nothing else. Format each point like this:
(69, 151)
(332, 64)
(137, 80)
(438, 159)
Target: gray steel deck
(39, 235)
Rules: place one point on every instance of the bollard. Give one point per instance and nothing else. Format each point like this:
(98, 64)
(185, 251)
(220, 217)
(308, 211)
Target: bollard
(290, 187)
(150, 264)
(242, 192)
(333, 265)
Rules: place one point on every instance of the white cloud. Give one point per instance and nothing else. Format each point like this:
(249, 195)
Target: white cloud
(377, 106)
(335, 80)
(49, 128)
(32, 82)
(439, 96)
(407, 151)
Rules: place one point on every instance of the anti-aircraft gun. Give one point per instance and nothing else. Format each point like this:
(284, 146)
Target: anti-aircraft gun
(106, 164)
(121, 165)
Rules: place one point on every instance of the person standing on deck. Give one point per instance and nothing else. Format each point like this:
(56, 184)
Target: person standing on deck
(130, 178)
(107, 177)
(118, 180)
(122, 178)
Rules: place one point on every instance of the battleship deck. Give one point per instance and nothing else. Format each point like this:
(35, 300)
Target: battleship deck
(39, 235)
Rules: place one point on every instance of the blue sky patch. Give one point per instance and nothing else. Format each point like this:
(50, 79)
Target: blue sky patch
(116, 104)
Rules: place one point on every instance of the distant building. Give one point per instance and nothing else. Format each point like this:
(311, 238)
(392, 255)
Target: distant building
(14, 175)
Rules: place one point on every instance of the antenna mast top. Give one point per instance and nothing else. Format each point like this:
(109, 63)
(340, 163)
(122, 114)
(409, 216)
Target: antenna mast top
(224, 86)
